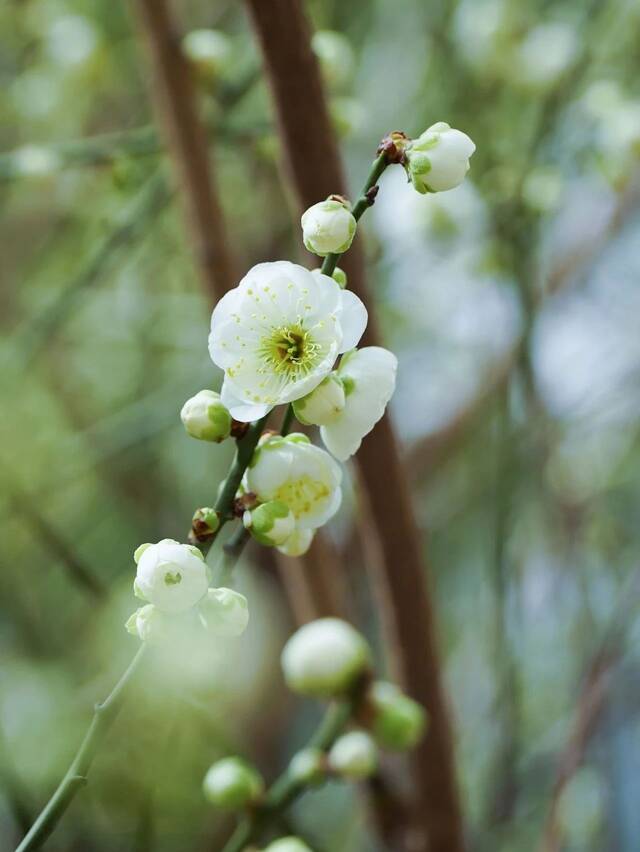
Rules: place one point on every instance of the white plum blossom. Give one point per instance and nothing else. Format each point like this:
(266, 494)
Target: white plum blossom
(224, 612)
(438, 159)
(303, 477)
(278, 334)
(354, 756)
(298, 543)
(328, 227)
(324, 658)
(367, 378)
(148, 623)
(205, 417)
(270, 523)
(170, 575)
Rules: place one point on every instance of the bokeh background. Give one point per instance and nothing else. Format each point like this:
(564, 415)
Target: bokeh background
(513, 304)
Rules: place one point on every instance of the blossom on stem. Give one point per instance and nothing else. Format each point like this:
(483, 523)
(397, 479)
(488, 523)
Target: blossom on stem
(324, 658)
(294, 472)
(328, 227)
(232, 783)
(354, 756)
(438, 159)
(170, 575)
(277, 335)
(349, 402)
(205, 417)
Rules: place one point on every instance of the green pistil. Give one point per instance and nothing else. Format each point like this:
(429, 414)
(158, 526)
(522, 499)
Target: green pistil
(290, 349)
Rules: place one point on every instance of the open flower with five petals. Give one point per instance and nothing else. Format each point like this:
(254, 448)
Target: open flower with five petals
(278, 334)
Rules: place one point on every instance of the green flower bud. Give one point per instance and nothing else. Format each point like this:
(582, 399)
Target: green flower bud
(308, 767)
(205, 417)
(271, 523)
(204, 524)
(324, 658)
(323, 404)
(232, 783)
(328, 227)
(340, 277)
(287, 844)
(354, 756)
(399, 722)
(335, 56)
(209, 51)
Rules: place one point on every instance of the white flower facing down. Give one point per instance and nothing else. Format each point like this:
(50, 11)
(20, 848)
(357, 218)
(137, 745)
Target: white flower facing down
(328, 227)
(367, 378)
(170, 575)
(303, 477)
(298, 543)
(278, 334)
(438, 159)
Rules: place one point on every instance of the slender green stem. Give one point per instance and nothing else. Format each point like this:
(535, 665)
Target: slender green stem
(76, 776)
(286, 788)
(363, 203)
(287, 420)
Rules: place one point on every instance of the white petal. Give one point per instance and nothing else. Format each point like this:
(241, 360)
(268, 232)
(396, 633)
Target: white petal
(240, 410)
(353, 320)
(373, 373)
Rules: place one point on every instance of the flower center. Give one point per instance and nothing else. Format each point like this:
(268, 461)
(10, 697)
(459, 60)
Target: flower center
(290, 349)
(301, 494)
(172, 578)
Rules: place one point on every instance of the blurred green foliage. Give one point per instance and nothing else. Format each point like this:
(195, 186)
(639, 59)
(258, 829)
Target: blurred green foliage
(513, 305)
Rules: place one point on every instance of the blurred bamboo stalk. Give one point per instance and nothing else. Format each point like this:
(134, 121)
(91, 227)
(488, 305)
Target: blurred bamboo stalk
(174, 95)
(399, 578)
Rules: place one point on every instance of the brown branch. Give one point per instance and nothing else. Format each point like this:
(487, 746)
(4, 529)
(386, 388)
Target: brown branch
(399, 578)
(186, 140)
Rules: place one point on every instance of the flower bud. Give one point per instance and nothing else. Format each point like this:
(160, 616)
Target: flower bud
(439, 159)
(209, 51)
(338, 275)
(298, 543)
(323, 404)
(399, 722)
(270, 523)
(170, 575)
(328, 227)
(287, 844)
(224, 612)
(204, 524)
(324, 658)
(308, 767)
(335, 56)
(354, 756)
(205, 417)
(232, 783)
(147, 623)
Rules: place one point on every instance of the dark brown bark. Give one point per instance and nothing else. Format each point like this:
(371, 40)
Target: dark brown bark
(184, 133)
(399, 577)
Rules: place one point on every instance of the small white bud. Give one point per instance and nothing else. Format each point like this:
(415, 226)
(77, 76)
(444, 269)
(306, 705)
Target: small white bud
(170, 575)
(209, 51)
(232, 783)
(328, 227)
(298, 543)
(205, 417)
(439, 159)
(224, 612)
(287, 844)
(271, 523)
(308, 767)
(147, 623)
(323, 404)
(354, 756)
(324, 658)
